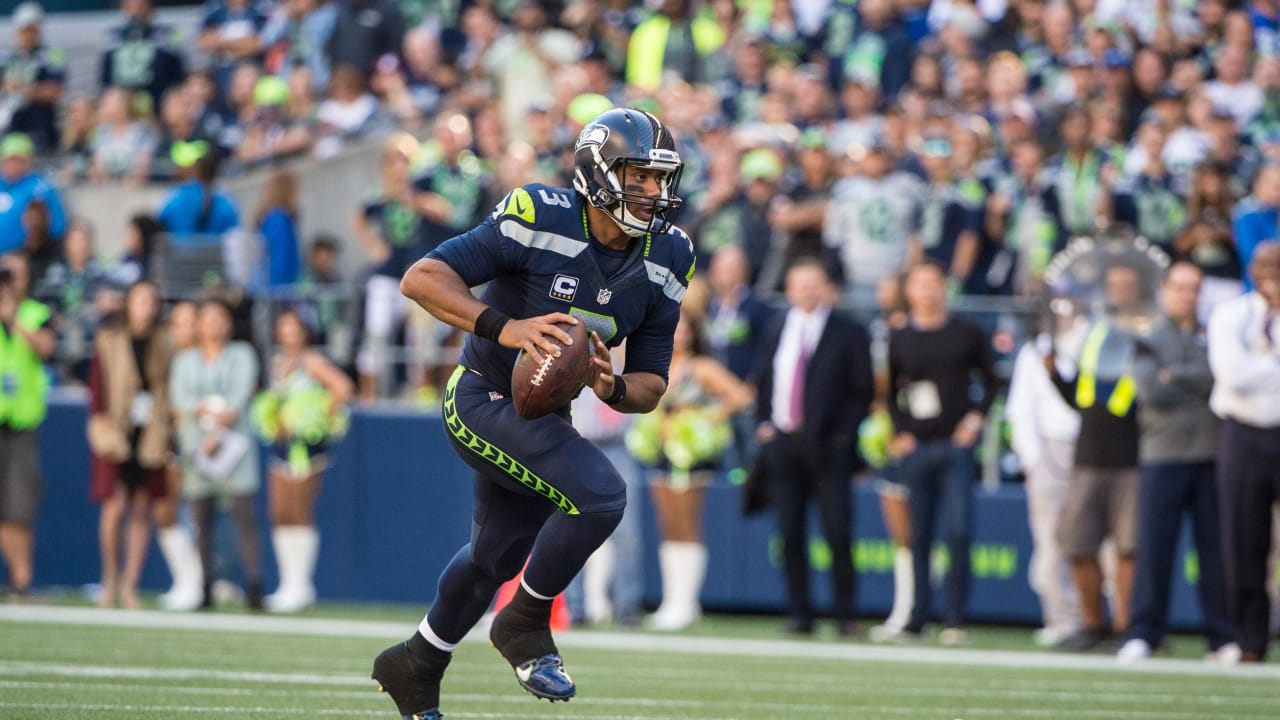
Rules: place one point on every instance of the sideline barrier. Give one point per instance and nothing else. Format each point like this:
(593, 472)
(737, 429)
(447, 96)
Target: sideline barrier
(395, 507)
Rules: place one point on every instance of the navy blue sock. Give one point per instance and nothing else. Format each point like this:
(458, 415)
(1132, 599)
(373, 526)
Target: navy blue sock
(462, 597)
(563, 546)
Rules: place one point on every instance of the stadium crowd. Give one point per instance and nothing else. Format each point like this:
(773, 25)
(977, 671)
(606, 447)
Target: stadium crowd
(908, 158)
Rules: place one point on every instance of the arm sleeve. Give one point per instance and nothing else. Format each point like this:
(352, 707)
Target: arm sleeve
(1020, 408)
(983, 365)
(901, 422)
(1233, 365)
(1146, 374)
(862, 382)
(245, 377)
(649, 347)
(480, 254)
(97, 399)
(57, 216)
(181, 395)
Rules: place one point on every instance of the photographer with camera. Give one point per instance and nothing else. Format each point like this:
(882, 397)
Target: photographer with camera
(26, 341)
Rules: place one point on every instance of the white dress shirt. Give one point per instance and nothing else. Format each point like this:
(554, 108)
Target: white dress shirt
(798, 330)
(1035, 409)
(1245, 364)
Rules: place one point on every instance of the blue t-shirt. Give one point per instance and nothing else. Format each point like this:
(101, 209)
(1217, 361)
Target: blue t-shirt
(1254, 224)
(280, 238)
(535, 254)
(185, 213)
(14, 199)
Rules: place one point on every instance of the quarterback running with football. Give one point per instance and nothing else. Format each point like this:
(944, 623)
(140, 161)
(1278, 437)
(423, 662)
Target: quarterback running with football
(605, 254)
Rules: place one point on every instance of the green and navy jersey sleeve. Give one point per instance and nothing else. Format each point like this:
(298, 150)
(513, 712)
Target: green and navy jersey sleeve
(486, 251)
(649, 346)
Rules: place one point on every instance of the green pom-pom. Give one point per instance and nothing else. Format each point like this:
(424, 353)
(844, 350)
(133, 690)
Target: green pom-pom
(305, 415)
(874, 435)
(643, 438)
(264, 416)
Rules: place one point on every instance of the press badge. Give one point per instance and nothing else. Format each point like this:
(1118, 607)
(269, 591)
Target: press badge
(140, 411)
(923, 400)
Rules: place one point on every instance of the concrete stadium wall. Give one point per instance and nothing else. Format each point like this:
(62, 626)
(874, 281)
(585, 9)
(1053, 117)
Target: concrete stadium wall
(396, 506)
(330, 191)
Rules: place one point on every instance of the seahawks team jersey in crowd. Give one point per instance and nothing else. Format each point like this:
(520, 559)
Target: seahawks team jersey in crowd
(538, 258)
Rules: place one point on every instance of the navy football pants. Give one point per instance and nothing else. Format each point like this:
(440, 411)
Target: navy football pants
(541, 491)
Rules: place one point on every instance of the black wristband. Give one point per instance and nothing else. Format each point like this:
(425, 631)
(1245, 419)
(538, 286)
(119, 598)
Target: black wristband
(490, 323)
(619, 391)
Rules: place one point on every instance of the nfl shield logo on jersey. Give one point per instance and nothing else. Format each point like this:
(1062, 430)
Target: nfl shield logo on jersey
(603, 297)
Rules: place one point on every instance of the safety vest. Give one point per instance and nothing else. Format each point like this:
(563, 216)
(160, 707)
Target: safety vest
(1121, 399)
(649, 44)
(24, 386)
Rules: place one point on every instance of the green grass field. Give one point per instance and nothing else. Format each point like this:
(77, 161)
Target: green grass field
(70, 662)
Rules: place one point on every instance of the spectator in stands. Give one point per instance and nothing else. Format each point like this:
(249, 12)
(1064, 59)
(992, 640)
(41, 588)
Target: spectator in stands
(798, 212)
(1257, 217)
(1207, 242)
(277, 223)
(298, 374)
(350, 108)
(40, 247)
(174, 539)
(1081, 174)
(296, 35)
(364, 31)
(934, 362)
(702, 394)
(389, 85)
(270, 130)
(210, 388)
(196, 206)
(1244, 353)
(815, 388)
(872, 223)
(387, 225)
(676, 40)
(19, 187)
(881, 49)
(1147, 200)
(229, 33)
(129, 436)
(178, 126)
(1022, 218)
(122, 143)
(1102, 497)
(135, 253)
(73, 145)
(321, 285)
(142, 54)
(1232, 89)
(950, 220)
(1177, 445)
(522, 64)
(27, 343)
(738, 213)
(32, 76)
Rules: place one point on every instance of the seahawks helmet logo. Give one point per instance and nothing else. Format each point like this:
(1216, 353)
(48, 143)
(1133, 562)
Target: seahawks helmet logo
(593, 135)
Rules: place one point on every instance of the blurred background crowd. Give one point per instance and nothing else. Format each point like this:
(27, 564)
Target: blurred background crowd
(974, 138)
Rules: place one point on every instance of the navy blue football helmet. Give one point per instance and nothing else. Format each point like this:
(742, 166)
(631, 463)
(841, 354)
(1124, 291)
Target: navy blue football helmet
(628, 137)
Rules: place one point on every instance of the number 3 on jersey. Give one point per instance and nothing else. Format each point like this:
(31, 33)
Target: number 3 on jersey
(555, 198)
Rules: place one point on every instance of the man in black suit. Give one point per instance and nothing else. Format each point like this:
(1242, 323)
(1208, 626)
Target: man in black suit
(815, 386)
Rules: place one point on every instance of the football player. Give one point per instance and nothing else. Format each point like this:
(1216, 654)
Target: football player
(603, 253)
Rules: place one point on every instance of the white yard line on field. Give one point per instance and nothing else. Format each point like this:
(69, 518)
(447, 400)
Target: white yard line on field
(737, 647)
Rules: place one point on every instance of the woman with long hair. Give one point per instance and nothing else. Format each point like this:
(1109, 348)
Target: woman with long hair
(297, 414)
(683, 441)
(211, 386)
(129, 426)
(176, 544)
(277, 222)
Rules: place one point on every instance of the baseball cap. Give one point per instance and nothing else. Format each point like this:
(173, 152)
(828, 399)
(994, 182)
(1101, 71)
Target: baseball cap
(760, 164)
(588, 106)
(270, 90)
(16, 145)
(28, 13)
(185, 154)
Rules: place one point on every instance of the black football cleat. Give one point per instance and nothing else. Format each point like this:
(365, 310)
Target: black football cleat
(524, 639)
(412, 679)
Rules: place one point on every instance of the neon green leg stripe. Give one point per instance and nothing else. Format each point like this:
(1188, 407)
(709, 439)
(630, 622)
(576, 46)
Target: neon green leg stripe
(495, 455)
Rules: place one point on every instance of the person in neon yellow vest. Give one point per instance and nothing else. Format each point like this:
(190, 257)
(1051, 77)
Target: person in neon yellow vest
(26, 341)
(671, 40)
(1102, 496)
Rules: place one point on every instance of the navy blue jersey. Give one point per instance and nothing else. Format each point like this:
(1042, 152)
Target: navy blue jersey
(536, 255)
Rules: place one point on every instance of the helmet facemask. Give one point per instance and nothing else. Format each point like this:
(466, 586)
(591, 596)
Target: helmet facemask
(600, 180)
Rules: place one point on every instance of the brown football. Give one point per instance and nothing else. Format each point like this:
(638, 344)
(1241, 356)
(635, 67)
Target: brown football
(541, 388)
